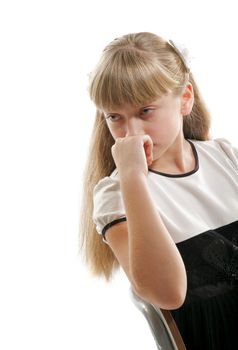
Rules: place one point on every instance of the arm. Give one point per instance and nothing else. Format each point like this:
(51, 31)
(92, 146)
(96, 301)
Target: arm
(144, 247)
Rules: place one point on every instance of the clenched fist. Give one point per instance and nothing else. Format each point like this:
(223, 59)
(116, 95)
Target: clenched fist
(133, 154)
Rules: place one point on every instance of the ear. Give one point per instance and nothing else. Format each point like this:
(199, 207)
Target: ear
(187, 100)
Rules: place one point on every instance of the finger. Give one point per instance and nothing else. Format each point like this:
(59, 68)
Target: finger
(146, 138)
(147, 143)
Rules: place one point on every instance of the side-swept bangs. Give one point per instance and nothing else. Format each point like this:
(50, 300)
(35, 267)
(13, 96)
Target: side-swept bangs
(129, 76)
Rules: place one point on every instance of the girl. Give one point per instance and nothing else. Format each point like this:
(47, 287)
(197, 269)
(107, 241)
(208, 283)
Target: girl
(160, 192)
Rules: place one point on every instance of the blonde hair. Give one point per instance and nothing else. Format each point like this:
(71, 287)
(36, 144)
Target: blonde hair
(135, 69)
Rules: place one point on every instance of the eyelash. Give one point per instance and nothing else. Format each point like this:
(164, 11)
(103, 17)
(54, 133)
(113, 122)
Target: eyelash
(144, 110)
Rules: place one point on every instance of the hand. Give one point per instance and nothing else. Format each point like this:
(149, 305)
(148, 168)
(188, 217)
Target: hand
(133, 154)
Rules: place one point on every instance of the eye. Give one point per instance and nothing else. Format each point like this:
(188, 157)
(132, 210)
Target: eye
(113, 117)
(146, 111)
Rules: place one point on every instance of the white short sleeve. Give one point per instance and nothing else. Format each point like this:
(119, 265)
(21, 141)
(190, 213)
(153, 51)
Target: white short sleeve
(108, 208)
(230, 150)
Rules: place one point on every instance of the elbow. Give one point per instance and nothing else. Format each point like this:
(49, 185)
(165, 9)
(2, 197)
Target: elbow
(167, 292)
(173, 303)
(164, 298)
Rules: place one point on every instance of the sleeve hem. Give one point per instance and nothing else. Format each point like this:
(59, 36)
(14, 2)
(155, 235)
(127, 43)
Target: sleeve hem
(114, 222)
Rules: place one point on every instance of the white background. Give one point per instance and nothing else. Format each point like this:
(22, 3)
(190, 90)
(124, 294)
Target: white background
(47, 298)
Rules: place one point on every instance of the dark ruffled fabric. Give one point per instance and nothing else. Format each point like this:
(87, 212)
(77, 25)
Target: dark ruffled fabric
(210, 324)
(208, 319)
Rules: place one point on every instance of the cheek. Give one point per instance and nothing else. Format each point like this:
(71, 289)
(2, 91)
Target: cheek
(115, 132)
(167, 126)
(111, 130)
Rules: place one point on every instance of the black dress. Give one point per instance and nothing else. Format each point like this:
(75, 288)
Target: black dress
(209, 317)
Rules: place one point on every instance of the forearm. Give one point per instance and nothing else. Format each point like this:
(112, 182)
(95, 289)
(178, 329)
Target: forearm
(156, 265)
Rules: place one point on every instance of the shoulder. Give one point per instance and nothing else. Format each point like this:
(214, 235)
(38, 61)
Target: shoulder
(220, 142)
(107, 183)
(229, 150)
(225, 144)
(107, 202)
(222, 147)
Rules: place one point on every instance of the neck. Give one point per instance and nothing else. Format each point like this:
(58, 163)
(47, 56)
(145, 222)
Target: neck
(179, 158)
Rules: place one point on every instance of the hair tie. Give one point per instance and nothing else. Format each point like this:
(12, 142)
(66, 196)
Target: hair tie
(183, 53)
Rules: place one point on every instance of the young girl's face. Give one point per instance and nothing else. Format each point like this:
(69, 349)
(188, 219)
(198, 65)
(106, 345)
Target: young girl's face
(161, 119)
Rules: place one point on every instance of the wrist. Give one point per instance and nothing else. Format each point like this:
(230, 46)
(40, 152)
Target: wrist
(132, 178)
(132, 172)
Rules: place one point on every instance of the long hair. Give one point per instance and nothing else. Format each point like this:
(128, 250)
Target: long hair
(135, 69)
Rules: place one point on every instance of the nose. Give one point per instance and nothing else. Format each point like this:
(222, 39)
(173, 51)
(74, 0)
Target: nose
(134, 127)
